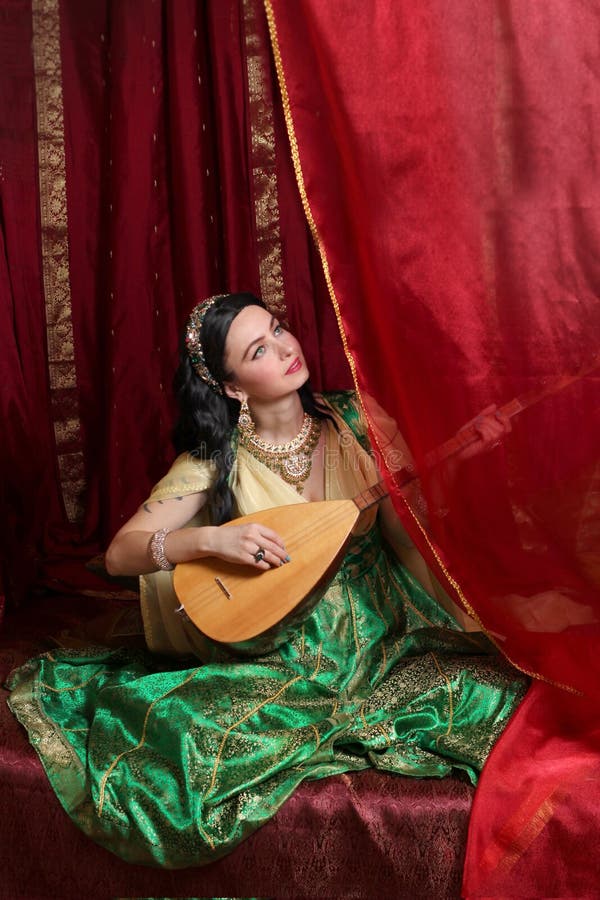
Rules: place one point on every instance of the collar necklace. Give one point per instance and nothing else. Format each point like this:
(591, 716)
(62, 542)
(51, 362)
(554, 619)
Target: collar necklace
(291, 461)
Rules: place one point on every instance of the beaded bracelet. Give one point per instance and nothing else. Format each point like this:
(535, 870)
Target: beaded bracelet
(157, 550)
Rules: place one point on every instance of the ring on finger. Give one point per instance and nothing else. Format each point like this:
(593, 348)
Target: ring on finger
(259, 555)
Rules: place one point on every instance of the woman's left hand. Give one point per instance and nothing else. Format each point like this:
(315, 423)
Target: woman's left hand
(491, 426)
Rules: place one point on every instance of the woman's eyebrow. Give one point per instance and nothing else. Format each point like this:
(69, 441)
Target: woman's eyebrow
(256, 340)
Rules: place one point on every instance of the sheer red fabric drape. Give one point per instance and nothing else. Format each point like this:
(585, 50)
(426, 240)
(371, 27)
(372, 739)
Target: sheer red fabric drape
(447, 157)
(455, 198)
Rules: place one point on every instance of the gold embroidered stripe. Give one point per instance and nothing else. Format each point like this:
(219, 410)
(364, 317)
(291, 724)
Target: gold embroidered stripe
(263, 168)
(55, 254)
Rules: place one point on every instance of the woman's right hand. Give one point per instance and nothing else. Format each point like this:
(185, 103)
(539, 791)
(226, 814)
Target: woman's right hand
(241, 543)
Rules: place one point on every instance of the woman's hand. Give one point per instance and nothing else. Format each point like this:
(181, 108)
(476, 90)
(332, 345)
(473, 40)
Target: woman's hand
(243, 543)
(491, 426)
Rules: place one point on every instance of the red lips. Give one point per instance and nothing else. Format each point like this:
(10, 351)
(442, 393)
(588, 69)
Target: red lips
(297, 364)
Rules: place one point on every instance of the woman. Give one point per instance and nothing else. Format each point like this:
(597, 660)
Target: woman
(174, 763)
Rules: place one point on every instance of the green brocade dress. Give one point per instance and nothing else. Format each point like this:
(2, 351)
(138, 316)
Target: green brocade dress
(173, 761)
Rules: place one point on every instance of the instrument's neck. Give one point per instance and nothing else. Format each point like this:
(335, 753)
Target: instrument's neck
(469, 435)
(404, 476)
(371, 496)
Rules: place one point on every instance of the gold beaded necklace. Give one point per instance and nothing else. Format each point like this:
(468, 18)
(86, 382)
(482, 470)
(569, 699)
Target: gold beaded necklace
(291, 461)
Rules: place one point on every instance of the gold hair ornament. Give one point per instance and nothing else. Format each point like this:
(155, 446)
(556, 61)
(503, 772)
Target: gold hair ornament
(194, 344)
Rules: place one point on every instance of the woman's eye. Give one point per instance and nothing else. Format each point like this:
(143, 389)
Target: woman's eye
(259, 351)
(278, 329)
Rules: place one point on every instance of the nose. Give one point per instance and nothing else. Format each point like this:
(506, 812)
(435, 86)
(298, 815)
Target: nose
(286, 349)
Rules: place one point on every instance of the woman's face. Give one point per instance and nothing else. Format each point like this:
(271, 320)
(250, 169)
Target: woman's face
(266, 360)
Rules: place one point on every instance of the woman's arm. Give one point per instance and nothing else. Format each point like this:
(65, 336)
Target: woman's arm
(129, 552)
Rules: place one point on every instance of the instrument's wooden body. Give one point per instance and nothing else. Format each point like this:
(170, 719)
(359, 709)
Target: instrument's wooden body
(251, 610)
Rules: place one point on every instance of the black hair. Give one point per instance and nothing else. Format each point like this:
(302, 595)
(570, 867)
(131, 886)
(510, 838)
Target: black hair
(207, 419)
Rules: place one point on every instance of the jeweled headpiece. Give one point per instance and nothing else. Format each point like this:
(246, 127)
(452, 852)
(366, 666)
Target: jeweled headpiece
(193, 343)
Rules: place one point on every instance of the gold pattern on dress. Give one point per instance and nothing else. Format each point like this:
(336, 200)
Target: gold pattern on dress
(405, 596)
(317, 736)
(373, 599)
(450, 698)
(49, 741)
(388, 602)
(206, 836)
(142, 740)
(55, 253)
(376, 725)
(354, 626)
(383, 658)
(263, 165)
(248, 715)
(384, 733)
(362, 714)
(73, 687)
(375, 603)
(318, 666)
(386, 595)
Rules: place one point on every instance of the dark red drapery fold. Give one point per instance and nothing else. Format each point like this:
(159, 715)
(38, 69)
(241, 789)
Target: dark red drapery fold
(28, 494)
(144, 166)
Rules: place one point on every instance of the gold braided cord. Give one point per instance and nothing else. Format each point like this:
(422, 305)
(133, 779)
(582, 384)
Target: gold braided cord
(295, 154)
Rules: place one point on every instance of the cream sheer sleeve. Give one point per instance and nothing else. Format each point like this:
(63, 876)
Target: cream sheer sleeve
(165, 629)
(187, 475)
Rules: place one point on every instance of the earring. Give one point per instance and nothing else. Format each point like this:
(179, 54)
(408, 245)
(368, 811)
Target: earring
(245, 422)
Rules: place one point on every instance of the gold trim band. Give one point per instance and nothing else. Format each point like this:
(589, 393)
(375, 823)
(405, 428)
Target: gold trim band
(55, 254)
(263, 169)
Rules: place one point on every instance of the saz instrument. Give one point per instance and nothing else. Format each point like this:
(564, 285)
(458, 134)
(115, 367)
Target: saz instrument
(252, 611)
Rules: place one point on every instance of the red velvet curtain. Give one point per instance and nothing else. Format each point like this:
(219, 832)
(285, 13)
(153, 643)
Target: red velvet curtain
(144, 166)
(447, 159)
